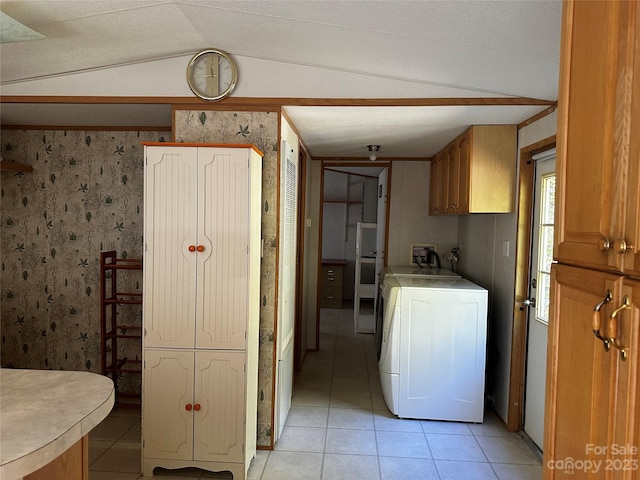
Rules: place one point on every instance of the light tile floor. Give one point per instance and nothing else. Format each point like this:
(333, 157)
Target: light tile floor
(340, 428)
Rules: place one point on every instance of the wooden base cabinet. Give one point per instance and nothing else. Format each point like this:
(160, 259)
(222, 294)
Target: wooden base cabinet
(201, 307)
(592, 384)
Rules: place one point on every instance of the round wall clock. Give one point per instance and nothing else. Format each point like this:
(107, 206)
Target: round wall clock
(212, 74)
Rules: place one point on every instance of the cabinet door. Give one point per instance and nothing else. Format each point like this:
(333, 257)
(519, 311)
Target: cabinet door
(167, 394)
(463, 146)
(594, 132)
(580, 373)
(438, 184)
(171, 209)
(220, 393)
(632, 225)
(223, 265)
(453, 177)
(624, 460)
(433, 186)
(458, 158)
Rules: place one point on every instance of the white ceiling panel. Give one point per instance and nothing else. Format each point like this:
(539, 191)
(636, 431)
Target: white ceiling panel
(300, 49)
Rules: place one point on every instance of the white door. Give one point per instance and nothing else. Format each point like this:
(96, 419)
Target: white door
(287, 284)
(539, 288)
(171, 238)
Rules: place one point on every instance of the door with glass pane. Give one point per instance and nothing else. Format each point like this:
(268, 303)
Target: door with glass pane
(539, 289)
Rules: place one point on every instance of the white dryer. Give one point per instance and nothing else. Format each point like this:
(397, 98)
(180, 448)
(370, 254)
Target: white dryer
(403, 271)
(433, 348)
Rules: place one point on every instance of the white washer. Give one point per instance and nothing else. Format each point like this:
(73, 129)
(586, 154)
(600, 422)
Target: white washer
(433, 348)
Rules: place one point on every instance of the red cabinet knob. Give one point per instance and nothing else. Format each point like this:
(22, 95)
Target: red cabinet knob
(188, 407)
(192, 248)
(200, 248)
(196, 407)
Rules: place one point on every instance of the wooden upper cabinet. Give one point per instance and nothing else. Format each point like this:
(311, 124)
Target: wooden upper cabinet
(598, 125)
(480, 172)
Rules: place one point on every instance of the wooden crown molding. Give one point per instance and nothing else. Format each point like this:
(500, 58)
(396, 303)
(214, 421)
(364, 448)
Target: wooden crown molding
(276, 102)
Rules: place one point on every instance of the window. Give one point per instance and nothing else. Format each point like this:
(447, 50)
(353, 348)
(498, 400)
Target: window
(545, 247)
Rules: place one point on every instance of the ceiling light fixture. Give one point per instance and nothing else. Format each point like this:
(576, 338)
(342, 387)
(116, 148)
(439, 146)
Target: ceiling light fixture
(373, 149)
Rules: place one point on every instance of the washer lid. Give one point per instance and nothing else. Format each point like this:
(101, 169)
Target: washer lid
(414, 270)
(436, 284)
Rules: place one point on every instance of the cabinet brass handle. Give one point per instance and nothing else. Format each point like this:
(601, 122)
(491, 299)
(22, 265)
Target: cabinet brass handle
(200, 248)
(192, 248)
(188, 407)
(596, 320)
(604, 245)
(612, 327)
(196, 407)
(621, 246)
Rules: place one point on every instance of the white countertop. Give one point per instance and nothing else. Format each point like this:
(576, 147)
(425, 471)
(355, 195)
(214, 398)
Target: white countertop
(44, 412)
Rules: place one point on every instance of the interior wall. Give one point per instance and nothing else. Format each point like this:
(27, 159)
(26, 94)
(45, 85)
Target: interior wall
(409, 220)
(261, 130)
(485, 240)
(84, 196)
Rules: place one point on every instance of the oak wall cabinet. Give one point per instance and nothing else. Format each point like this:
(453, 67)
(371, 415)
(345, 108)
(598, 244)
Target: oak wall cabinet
(592, 390)
(202, 245)
(475, 173)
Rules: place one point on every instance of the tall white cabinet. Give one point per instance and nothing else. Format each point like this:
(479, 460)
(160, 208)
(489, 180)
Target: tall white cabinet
(202, 246)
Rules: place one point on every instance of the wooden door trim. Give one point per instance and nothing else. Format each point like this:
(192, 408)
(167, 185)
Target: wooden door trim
(526, 179)
(298, 351)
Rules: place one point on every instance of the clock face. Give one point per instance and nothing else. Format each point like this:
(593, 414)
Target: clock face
(212, 74)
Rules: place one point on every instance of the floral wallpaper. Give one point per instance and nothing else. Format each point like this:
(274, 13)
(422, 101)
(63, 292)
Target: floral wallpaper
(84, 196)
(261, 130)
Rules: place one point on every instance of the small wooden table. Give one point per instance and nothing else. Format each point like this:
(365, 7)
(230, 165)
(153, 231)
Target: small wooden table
(45, 418)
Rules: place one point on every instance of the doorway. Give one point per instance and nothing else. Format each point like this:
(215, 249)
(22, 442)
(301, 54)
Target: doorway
(537, 302)
(353, 196)
(519, 352)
